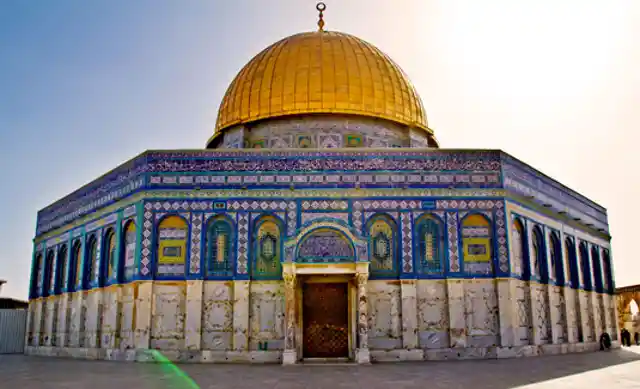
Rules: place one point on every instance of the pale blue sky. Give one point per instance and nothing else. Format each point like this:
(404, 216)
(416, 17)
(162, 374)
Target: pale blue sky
(86, 85)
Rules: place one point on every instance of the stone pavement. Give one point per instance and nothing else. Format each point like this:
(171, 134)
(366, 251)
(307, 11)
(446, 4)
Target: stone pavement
(601, 370)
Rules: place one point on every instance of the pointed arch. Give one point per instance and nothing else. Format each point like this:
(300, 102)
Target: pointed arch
(172, 234)
(557, 262)
(49, 273)
(128, 251)
(36, 284)
(520, 249)
(220, 247)
(91, 254)
(382, 233)
(267, 244)
(63, 267)
(597, 271)
(570, 253)
(109, 258)
(75, 281)
(584, 265)
(607, 273)
(539, 254)
(477, 243)
(429, 242)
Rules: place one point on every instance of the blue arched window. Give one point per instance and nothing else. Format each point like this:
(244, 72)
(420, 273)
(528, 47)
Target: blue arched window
(557, 262)
(219, 248)
(584, 263)
(266, 261)
(75, 281)
(92, 258)
(49, 274)
(127, 268)
(608, 275)
(109, 269)
(597, 271)
(383, 247)
(430, 245)
(36, 282)
(520, 249)
(570, 253)
(539, 255)
(62, 265)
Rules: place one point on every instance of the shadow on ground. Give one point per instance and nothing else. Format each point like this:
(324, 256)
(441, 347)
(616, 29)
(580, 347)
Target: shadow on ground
(21, 372)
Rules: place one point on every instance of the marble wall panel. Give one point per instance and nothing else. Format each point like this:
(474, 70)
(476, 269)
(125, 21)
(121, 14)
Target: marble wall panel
(168, 316)
(76, 320)
(587, 311)
(481, 313)
(558, 311)
(385, 309)
(266, 317)
(541, 314)
(524, 329)
(217, 315)
(92, 315)
(127, 320)
(433, 314)
(109, 326)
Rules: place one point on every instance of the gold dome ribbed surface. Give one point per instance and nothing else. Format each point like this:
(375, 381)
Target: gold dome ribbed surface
(321, 72)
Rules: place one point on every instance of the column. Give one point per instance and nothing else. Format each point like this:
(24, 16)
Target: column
(193, 322)
(582, 305)
(553, 298)
(289, 357)
(51, 302)
(362, 351)
(593, 298)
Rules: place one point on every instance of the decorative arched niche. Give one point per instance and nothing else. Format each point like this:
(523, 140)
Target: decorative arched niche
(584, 266)
(61, 277)
(36, 284)
(325, 245)
(519, 249)
(477, 244)
(557, 263)
(109, 254)
(429, 244)
(383, 246)
(219, 248)
(539, 254)
(267, 257)
(172, 247)
(128, 251)
(570, 253)
(92, 259)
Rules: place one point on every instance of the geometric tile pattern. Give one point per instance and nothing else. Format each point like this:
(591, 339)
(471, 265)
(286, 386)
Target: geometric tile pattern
(307, 217)
(147, 230)
(468, 204)
(292, 217)
(452, 237)
(196, 238)
(407, 242)
(243, 242)
(255, 205)
(357, 216)
(501, 234)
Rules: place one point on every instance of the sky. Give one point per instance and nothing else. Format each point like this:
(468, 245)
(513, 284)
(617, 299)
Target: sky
(85, 86)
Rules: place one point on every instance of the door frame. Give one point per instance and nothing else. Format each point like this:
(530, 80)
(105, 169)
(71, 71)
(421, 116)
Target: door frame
(351, 308)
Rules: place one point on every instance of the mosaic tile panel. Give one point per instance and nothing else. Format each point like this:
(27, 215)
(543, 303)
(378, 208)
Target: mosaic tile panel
(501, 234)
(196, 240)
(324, 205)
(147, 231)
(407, 242)
(357, 216)
(452, 237)
(254, 205)
(468, 204)
(243, 242)
(292, 218)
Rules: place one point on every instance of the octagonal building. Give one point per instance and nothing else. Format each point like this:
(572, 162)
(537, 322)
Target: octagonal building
(321, 221)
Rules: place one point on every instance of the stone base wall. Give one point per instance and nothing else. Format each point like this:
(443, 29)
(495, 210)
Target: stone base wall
(242, 321)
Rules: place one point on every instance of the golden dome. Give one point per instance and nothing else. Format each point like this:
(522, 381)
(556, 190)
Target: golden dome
(321, 72)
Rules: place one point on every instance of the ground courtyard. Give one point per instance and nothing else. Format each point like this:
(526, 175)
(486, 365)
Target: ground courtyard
(610, 370)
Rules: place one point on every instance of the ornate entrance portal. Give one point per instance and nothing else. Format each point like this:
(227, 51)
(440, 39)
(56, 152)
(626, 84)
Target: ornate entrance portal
(325, 320)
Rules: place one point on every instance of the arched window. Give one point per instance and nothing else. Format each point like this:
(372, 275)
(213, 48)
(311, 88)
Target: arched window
(219, 246)
(172, 247)
(430, 245)
(597, 272)
(584, 263)
(92, 259)
(519, 246)
(476, 244)
(556, 258)
(608, 275)
(109, 254)
(267, 245)
(49, 274)
(570, 253)
(382, 246)
(75, 282)
(61, 279)
(129, 252)
(538, 255)
(36, 283)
